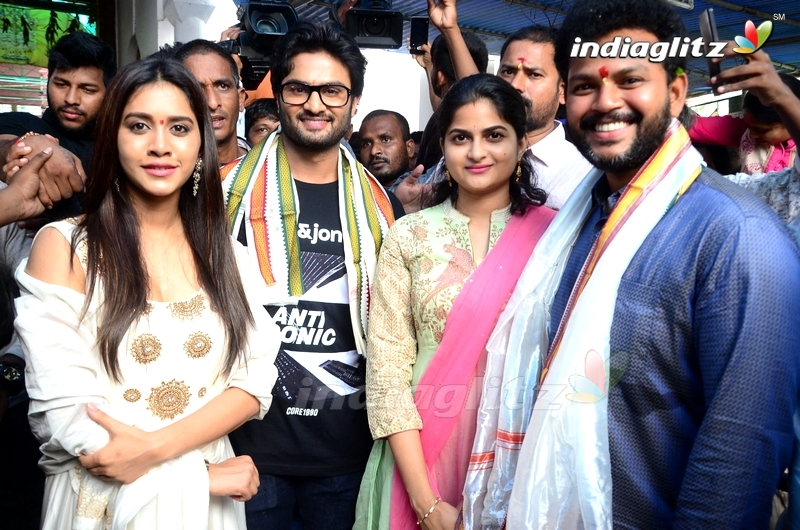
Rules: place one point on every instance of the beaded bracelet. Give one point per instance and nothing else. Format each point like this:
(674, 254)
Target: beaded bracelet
(27, 135)
(429, 511)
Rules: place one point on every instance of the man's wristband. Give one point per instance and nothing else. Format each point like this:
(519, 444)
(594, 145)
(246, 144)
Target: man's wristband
(26, 135)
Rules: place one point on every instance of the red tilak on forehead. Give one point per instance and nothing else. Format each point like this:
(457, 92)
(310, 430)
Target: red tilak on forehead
(162, 122)
(603, 72)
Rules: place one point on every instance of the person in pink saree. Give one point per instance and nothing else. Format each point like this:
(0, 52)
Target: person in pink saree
(443, 276)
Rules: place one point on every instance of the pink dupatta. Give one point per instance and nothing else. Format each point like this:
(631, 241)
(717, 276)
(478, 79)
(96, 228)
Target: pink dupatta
(469, 324)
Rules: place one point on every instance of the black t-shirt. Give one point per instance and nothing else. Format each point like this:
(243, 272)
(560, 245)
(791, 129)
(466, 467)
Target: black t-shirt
(82, 146)
(317, 424)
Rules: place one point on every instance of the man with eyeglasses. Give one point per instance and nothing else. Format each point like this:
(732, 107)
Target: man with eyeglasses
(312, 220)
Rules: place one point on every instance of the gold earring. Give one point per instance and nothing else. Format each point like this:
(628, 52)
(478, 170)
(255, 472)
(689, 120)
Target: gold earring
(447, 177)
(116, 184)
(196, 175)
(518, 172)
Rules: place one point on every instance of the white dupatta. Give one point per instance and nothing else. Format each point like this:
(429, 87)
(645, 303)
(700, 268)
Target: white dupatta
(563, 473)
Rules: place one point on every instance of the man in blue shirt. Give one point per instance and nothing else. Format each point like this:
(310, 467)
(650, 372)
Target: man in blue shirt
(693, 396)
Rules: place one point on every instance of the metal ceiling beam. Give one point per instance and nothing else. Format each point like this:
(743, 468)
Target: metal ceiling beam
(78, 8)
(750, 11)
(536, 5)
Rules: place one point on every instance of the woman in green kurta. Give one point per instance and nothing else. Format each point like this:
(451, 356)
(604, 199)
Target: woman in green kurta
(486, 207)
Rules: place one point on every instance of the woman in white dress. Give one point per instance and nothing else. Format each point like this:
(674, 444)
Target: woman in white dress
(143, 351)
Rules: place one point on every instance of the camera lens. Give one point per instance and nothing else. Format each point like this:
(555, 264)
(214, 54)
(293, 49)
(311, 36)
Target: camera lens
(374, 26)
(273, 23)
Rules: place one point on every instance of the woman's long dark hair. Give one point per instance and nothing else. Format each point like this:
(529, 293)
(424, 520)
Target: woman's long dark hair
(512, 108)
(111, 225)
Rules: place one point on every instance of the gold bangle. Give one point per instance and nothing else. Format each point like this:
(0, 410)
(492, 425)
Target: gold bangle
(429, 511)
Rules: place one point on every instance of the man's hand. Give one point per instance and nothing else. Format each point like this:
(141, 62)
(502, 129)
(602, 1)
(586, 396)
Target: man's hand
(346, 6)
(232, 33)
(757, 75)
(410, 193)
(424, 59)
(18, 155)
(61, 176)
(129, 453)
(16, 158)
(23, 190)
(236, 478)
(442, 14)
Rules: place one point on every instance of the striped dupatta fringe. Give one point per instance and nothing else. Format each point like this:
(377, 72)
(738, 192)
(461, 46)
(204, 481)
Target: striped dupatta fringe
(261, 187)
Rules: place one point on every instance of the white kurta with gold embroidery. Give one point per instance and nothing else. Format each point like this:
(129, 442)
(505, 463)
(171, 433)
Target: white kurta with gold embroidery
(170, 362)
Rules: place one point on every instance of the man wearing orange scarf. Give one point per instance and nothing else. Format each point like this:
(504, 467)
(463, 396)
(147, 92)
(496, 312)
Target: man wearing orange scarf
(671, 374)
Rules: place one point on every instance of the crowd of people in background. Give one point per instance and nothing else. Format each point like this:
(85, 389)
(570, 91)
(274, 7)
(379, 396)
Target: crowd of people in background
(554, 307)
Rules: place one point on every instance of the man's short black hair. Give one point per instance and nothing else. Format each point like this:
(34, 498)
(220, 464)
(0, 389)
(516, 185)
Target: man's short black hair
(405, 130)
(537, 34)
(416, 136)
(442, 62)
(82, 50)
(167, 51)
(760, 112)
(592, 19)
(308, 37)
(260, 108)
(206, 47)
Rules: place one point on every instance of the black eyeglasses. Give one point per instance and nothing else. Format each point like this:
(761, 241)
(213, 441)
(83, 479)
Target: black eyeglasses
(331, 95)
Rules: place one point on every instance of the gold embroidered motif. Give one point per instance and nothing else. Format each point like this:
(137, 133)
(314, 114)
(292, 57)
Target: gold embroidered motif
(201, 392)
(146, 348)
(72, 220)
(197, 345)
(187, 310)
(169, 399)
(91, 505)
(147, 309)
(83, 251)
(132, 395)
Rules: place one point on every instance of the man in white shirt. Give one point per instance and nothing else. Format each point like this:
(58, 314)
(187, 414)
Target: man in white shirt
(527, 61)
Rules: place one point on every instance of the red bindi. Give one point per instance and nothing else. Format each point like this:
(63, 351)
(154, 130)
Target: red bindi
(162, 122)
(603, 72)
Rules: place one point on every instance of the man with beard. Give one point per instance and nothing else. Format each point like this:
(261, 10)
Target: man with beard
(80, 67)
(313, 221)
(527, 61)
(670, 369)
(386, 146)
(216, 71)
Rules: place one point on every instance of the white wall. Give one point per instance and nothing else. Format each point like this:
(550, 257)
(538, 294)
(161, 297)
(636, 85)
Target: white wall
(394, 81)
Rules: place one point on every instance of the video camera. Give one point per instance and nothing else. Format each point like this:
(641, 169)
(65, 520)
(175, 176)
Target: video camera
(373, 25)
(263, 23)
